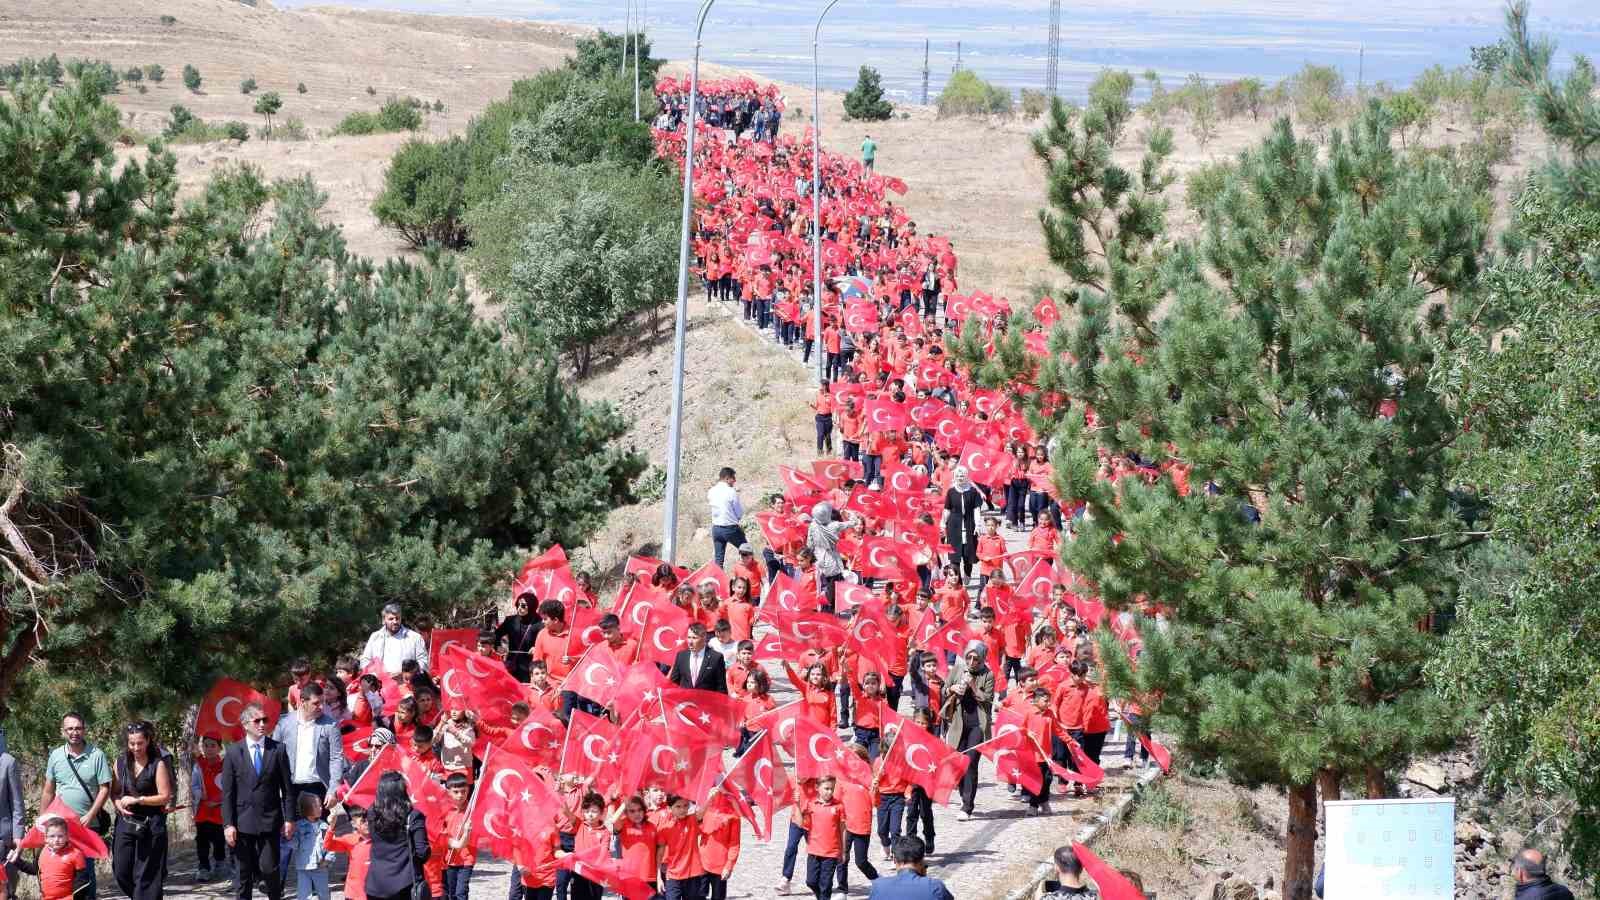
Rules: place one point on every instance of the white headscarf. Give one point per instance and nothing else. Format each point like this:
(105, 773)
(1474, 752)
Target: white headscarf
(962, 481)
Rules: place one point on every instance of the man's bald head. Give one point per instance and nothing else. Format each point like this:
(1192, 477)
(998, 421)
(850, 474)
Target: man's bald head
(1528, 865)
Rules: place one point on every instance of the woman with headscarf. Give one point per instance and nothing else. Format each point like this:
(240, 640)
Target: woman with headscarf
(519, 631)
(961, 504)
(822, 538)
(966, 710)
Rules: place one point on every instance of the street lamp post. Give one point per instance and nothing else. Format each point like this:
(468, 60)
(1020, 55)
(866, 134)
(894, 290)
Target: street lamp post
(816, 200)
(639, 33)
(669, 542)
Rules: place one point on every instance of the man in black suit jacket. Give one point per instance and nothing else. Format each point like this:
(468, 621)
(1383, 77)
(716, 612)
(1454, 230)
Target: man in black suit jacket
(699, 666)
(255, 805)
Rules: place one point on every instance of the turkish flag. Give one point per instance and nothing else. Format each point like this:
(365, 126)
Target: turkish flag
(1045, 312)
(882, 557)
(898, 477)
(760, 784)
(80, 837)
(987, 464)
(713, 573)
(1038, 582)
(583, 629)
(871, 635)
(1088, 773)
(1113, 885)
(798, 482)
(833, 472)
(538, 739)
(925, 412)
(641, 688)
(950, 431)
(870, 503)
(511, 803)
(780, 531)
(662, 637)
(633, 610)
(645, 567)
(881, 414)
(219, 711)
(597, 675)
(534, 574)
(818, 752)
(779, 722)
(769, 646)
(597, 865)
(924, 760)
(1090, 610)
(695, 715)
(818, 630)
(1016, 760)
(470, 681)
(910, 322)
(1160, 754)
(427, 795)
(653, 758)
(465, 638)
(592, 749)
(848, 595)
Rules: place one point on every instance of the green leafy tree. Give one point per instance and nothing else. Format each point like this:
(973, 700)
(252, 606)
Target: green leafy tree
(179, 120)
(1246, 95)
(191, 78)
(248, 85)
(606, 54)
(1410, 115)
(300, 88)
(865, 101)
(1317, 92)
(267, 106)
(155, 73)
(1200, 102)
(585, 125)
(134, 74)
(423, 194)
(575, 252)
(220, 423)
(1528, 380)
(965, 94)
(1319, 533)
(1101, 218)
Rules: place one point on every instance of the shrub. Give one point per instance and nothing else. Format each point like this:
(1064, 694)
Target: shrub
(1236, 98)
(300, 88)
(865, 100)
(1204, 185)
(236, 131)
(155, 73)
(191, 78)
(965, 94)
(438, 106)
(395, 115)
(96, 73)
(372, 91)
(1033, 103)
(179, 120)
(248, 85)
(1200, 101)
(141, 89)
(1160, 103)
(597, 57)
(423, 194)
(290, 129)
(134, 74)
(1410, 114)
(169, 21)
(1317, 92)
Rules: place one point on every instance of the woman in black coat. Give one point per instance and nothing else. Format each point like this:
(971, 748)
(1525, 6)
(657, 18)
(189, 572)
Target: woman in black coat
(961, 504)
(520, 631)
(399, 841)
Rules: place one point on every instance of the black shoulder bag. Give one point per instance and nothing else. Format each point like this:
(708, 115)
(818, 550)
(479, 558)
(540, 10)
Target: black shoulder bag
(101, 823)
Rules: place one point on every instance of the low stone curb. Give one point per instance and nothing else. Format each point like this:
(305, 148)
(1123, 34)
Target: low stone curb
(1088, 833)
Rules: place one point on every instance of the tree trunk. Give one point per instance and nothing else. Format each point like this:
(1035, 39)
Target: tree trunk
(1299, 862)
(1328, 787)
(1377, 785)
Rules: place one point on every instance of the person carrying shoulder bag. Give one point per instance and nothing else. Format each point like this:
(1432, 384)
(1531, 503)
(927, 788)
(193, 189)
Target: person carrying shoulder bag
(399, 844)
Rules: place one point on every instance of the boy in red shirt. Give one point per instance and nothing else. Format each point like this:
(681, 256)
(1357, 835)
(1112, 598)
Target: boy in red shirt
(1041, 728)
(358, 844)
(461, 854)
(540, 690)
(591, 832)
(823, 821)
(719, 846)
(860, 807)
(536, 862)
(680, 838)
(991, 550)
(637, 841)
(61, 867)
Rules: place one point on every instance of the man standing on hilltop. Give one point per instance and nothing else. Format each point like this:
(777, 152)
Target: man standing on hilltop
(869, 152)
(726, 514)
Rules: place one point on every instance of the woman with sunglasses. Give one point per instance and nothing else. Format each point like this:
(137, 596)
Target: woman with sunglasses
(520, 630)
(142, 784)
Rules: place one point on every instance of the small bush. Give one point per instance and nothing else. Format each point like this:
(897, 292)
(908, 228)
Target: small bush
(141, 89)
(237, 131)
(134, 74)
(169, 21)
(191, 78)
(290, 129)
(1317, 92)
(438, 106)
(1235, 98)
(424, 193)
(372, 91)
(965, 94)
(1034, 103)
(248, 85)
(184, 127)
(155, 73)
(395, 115)
(1411, 115)
(1205, 184)
(1157, 806)
(300, 88)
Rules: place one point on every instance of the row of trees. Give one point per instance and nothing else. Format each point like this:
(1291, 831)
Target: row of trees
(1386, 422)
(217, 422)
(568, 221)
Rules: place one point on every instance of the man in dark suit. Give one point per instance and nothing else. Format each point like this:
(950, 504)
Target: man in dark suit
(699, 666)
(255, 805)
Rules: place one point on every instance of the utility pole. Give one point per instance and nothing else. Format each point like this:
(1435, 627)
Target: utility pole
(925, 43)
(1361, 70)
(1053, 52)
(958, 56)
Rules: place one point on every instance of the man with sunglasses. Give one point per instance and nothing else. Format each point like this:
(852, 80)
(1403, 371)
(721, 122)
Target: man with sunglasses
(255, 806)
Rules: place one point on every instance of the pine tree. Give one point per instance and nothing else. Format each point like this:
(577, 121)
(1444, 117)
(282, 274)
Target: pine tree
(1319, 531)
(191, 78)
(219, 424)
(865, 101)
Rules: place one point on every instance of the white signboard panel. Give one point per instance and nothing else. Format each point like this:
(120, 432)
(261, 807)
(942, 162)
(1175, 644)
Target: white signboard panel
(1390, 850)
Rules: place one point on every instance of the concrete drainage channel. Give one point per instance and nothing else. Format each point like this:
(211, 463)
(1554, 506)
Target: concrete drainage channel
(1088, 833)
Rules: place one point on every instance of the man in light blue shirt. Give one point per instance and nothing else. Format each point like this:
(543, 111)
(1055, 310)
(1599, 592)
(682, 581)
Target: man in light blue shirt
(910, 880)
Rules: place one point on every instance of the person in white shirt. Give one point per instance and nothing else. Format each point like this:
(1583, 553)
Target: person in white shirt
(726, 514)
(394, 643)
